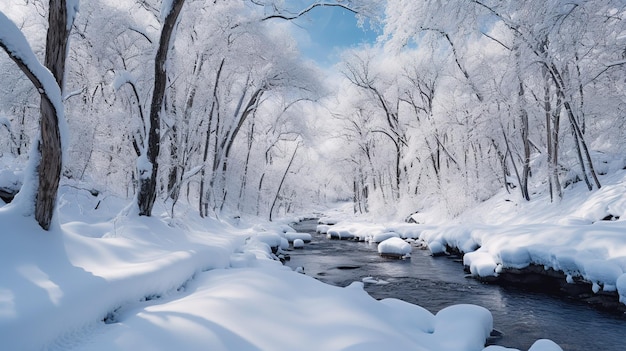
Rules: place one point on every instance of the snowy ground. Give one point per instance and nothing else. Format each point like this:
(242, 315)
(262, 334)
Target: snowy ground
(104, 281)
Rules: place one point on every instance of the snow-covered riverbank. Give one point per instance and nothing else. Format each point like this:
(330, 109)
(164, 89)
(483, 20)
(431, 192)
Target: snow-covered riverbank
(584, 236)
(100, 281)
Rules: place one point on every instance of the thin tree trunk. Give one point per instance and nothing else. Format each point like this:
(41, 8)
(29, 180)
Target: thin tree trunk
(258, 197)
(244, 180)
(525, 127)
(203, 207)
(526, 143)
(229, 140)
(578, 135)
(280, 185)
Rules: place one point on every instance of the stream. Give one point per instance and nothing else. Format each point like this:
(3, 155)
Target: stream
(435, 283)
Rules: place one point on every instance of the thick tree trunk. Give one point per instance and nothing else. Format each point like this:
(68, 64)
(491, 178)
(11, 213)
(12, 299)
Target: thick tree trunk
(49, 169)
(148, 180)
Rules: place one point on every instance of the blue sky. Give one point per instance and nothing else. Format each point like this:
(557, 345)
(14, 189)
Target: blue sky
(324, 31)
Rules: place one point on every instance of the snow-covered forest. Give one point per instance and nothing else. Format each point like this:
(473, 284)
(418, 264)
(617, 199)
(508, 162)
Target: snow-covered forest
(478, 97)
(121, 119)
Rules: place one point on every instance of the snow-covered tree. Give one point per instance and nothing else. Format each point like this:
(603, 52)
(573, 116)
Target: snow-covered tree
(46, 156)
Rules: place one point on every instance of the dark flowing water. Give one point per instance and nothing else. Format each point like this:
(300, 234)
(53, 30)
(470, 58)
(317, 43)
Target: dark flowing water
(435, 283)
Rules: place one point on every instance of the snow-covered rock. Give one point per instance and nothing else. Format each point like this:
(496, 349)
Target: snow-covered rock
(394, 247)
(342, 234)
(284, 244)
(436, 248)
(545, 345)
(480, 263)
(306, 237)
(287, 229)
(298, 244)
(271, 239)
(621, 288)
(322, 228)
(328, 221)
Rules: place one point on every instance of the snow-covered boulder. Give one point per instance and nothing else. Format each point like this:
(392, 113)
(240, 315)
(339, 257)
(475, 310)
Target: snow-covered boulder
(284, 244)
(480, 263)
(287, 229)
(298, 244)
(545, 345)
(10, 184)
(273, 240)
(463, 327)
(322, 228)
(342, 234)
(621, 288)
(328, 221)
(306, 237)
(437, 248)
(394, 247)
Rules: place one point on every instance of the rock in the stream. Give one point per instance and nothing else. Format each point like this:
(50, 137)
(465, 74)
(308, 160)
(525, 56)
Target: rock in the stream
(298, 244)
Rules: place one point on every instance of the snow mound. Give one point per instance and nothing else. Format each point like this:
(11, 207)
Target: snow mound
(545, 345)
(302, 236)
(394, 247)
(322, 228)
(471, 325)
(228, 310)
(436, 248)
(602, 272)
(340, 234)
(271, 239)
(514, 257)
(480, 263)
(621, 288)
(328, 221)
(287, 229)
(380, 237)
(298, 244)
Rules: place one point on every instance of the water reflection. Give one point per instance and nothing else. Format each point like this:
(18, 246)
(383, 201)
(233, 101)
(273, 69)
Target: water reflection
(435, 283)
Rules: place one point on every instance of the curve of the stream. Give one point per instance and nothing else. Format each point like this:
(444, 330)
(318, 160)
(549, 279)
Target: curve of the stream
(435, 283)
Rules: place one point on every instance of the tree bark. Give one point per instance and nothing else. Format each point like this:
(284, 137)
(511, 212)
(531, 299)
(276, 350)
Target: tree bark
(50, 149)
(526, 144)
(147, 182)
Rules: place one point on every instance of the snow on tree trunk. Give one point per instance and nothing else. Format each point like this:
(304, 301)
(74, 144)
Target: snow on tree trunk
(50, 143)
(147, 181)
(48, 83)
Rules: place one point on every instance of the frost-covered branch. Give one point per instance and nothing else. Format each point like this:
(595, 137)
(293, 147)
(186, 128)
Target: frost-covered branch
(293, 16)
(14, 43)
